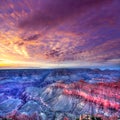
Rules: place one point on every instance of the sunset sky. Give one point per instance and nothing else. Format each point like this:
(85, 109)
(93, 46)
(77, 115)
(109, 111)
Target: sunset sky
(59, 33)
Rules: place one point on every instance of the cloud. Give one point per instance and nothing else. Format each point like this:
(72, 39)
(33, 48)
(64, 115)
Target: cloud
(87, 31)
(31, 37)
(53, 13)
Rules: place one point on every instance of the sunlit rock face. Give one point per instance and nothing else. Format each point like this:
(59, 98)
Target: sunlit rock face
(97, 98)
(59, 94)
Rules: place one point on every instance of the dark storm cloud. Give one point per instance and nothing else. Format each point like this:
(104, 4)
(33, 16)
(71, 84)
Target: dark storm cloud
(32, 37)
(19, 43)
(55, 12)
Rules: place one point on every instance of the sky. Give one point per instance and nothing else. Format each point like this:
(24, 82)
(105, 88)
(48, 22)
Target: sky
(59, 33)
